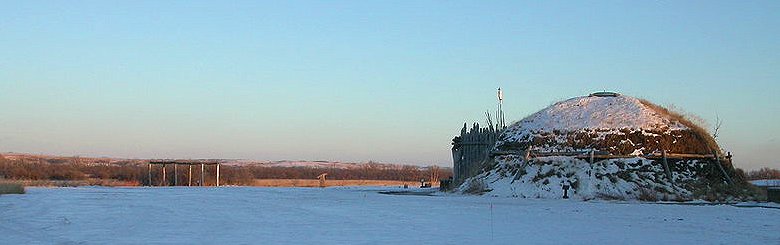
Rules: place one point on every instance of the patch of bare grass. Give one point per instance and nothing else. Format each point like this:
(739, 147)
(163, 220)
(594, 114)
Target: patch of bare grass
(697, 128)
(11, 188)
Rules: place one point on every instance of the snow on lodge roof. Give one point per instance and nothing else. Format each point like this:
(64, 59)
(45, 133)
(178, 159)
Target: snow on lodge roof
(603, 110)
(606, 121)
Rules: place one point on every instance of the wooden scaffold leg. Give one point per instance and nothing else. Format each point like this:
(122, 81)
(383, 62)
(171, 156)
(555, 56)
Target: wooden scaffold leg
(217, 174)
(202, 168)
(175, 175)
(164, 177)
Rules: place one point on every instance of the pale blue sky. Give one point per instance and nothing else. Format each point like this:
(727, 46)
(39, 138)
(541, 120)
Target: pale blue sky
(389, 81)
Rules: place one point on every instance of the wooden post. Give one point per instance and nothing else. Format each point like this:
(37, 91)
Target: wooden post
(666, 167)
(164, 181)
(201, 175)
(189, 182)
(592, 152)
(150, 174)
(720, 166)
(175, 175)
(728, 158)
(455, 160)
(217, 174)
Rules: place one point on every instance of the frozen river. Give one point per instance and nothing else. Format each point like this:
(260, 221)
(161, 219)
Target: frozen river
(249, 215)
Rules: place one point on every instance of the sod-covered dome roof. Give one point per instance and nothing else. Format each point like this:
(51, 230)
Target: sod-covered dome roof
(608, 122)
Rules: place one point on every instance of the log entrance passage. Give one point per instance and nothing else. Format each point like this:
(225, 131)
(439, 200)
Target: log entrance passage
(164, 175)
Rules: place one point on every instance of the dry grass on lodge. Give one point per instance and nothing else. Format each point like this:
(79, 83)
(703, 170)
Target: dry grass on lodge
(316, 183)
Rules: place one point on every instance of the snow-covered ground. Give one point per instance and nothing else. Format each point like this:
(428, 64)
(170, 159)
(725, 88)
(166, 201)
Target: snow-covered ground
(766, 182)
(246, 215)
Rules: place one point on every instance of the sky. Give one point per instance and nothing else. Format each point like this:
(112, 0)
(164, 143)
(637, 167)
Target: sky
(388, 81)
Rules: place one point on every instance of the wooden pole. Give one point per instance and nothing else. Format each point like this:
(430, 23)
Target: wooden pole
(666, 167)
(720, 166)
(217, 174)
(201, 175)
(150, 175)
(592, 153)
(175, 175)
(164, 181)
(189, 182)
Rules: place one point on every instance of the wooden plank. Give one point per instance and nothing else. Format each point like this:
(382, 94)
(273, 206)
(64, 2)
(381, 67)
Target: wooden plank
(587, 154)
(562, 153)
(683, 156)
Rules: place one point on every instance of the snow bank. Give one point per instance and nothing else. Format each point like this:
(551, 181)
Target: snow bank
(622, 179)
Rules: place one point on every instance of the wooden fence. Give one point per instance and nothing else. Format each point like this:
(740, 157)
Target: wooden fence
(470, 150)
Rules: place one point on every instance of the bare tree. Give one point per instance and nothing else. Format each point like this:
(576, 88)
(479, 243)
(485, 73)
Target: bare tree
(716, 129)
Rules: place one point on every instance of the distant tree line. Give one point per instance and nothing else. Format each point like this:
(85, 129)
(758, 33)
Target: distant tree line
(764, 173)
(230, 174)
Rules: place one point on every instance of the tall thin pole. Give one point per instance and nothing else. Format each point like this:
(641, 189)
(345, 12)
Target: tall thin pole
(217, 174)
(201, 174)
(189, 182)
(500, 110)
(165, 182)
(150, 174)
(175, 175)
